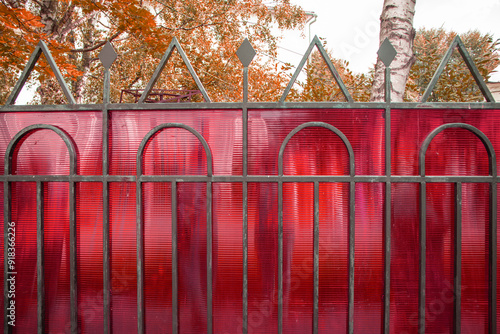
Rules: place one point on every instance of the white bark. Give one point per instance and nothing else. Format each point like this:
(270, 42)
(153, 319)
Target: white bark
(396, 24)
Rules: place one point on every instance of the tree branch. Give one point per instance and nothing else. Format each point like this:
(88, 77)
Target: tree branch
(98, 45)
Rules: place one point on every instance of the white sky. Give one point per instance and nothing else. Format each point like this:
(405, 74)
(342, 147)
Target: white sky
(351, 28)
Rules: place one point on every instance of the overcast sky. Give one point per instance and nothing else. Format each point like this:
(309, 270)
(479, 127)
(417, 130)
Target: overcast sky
(351, 28)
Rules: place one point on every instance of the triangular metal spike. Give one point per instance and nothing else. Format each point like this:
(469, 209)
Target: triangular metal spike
(457, 43)
(40, 48)
(161, 66)
(316, 42)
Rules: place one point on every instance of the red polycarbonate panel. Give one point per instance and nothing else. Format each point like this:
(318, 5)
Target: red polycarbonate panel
(122, 220)
(262, 258)
(174, 152)
(404, 258)
(44, 152)
(192, 261)
(475, 258)
(221, 129)
(56, 256)
(456, 151)
(228, 257)
(439, 301)
(498, 254)
(333, 257)
(268, 129)
(368, 258)
(311, 151)
(298, 218)
(23, 214)
(316, 151)
(158, 256)
(452, 152)
(89, 221)
(2, 246)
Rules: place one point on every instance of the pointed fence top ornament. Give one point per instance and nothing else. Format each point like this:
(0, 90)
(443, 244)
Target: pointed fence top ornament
(246, 53)
(387, 52)
(458, 44)
(39, 49)
(317, 43)
(166, 56)
(108, 55)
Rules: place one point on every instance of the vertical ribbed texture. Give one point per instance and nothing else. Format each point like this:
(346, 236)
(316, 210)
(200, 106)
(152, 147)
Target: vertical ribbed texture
(90, 255)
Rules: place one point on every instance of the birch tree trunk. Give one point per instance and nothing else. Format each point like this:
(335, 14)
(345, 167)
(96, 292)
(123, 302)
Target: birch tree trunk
(396, 24)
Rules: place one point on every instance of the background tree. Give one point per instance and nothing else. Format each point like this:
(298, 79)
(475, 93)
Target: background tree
(210, 33)
(456, 84)
(396, 24)
(321, 86)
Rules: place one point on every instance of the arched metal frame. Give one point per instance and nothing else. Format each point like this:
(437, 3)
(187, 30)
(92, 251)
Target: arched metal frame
(140, 228)
(243, 107)
(457, 281)
(16, 141)
(352, 196)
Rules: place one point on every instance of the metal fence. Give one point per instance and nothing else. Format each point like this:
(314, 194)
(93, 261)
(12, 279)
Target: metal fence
(387, 179)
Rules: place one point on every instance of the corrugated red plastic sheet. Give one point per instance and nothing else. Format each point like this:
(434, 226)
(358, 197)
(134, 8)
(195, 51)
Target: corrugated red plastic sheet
(313, 151)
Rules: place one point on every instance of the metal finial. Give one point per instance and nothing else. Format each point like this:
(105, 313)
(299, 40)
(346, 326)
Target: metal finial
(107, 55)
(246, 53)
(387, 52)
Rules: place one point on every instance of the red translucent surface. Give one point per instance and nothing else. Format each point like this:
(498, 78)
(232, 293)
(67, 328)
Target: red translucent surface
(44, 152)
(439, 259)
(475, 271)
(227, 257)
(312, 151)
(368, 266)
(192, 261)
(122, 220)
(268, 129)
(221, 129)
(23, 213)
(158, 262)
(333, 257)
(262, 258)
(90, 256)
(498, 267)
(453, 151)
(404, 258)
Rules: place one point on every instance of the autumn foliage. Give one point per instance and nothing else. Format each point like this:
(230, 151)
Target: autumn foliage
(209, 31)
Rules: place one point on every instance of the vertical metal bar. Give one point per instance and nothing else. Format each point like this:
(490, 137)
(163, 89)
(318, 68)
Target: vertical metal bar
(73, 259)
(106, 252)
(388, 198)
(387, 257)
(175, 276)
(7, 219)
(209, 258)
(245, 121)
(106, 87)
(316, 259)
(422, 233)
(352, 219)
(387, 85)
(245, 258)
(245, 200)
(493, 258)
(40, 273)
(140, 257)
(458, 259)
(280, 257)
